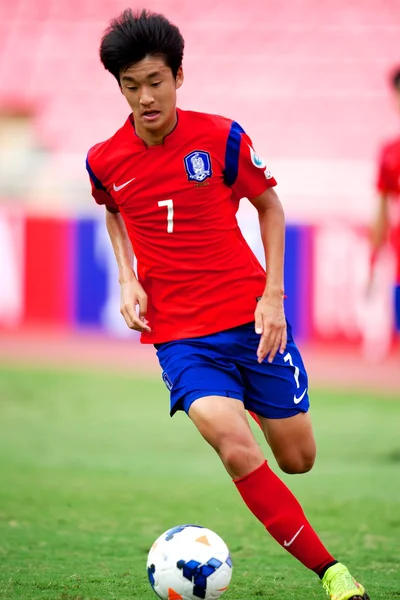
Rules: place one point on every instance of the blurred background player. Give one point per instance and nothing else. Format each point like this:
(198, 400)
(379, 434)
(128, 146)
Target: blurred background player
(386, 225)
(171, 181)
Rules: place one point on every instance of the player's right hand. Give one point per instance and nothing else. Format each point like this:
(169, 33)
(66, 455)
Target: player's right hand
(133, 295)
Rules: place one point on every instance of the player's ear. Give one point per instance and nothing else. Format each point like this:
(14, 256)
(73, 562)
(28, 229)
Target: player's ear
(179, 78)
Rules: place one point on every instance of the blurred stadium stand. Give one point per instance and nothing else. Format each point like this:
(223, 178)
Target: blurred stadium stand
(305, 78)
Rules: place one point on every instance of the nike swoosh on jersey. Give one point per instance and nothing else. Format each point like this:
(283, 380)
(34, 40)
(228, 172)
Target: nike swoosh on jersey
(297, 400)
(119, 187)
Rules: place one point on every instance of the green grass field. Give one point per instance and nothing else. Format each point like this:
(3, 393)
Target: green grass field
(92, 470)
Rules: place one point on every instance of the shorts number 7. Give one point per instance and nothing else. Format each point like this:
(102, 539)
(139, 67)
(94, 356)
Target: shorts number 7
(288, 358)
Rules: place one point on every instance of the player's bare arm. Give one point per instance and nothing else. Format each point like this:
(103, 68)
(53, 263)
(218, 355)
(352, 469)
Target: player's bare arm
(132, 293)
(379, 231)
(381, 223)
(270, 319)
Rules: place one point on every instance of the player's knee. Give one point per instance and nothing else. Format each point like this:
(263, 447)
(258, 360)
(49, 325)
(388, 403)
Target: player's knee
(296, 464)
(240, 459)
(226, 429)
(237, 449)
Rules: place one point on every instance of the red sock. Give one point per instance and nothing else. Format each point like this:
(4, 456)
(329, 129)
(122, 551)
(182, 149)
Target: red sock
(275, 506)
(255, 417)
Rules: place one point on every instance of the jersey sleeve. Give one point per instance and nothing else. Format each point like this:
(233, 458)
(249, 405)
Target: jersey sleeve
(99, 192)
(245, 172)
(385, 181)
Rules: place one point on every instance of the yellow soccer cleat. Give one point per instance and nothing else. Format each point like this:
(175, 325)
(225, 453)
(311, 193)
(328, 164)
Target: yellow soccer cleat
(340, 585)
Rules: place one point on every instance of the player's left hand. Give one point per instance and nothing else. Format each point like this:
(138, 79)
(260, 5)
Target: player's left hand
(270, 323)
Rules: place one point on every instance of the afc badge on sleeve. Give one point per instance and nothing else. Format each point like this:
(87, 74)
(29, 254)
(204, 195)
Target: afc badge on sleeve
(259, 163)
(198, 165)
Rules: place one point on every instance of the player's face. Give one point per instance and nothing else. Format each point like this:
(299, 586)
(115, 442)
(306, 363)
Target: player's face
(150, 89)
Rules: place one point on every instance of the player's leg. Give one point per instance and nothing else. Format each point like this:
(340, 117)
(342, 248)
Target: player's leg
(218, 413)
(223, 424)
(277, 393)
(292, 442)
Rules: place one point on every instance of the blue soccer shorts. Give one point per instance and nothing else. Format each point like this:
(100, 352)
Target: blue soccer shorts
(225, 364)
(397, 307)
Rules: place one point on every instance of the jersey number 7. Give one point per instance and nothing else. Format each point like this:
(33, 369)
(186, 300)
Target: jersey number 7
(170, 214)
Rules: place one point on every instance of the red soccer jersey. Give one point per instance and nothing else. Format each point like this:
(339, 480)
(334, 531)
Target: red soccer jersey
(389, 169)
(179, 202)
(388, 182)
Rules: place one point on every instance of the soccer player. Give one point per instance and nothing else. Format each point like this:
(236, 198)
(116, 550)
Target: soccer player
(387, 222)
(171, 181)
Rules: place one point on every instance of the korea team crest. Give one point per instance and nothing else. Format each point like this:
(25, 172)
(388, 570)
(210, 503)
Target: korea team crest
(198, 165)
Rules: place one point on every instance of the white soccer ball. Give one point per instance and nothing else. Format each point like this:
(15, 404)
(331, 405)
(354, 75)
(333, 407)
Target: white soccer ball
(189, 562)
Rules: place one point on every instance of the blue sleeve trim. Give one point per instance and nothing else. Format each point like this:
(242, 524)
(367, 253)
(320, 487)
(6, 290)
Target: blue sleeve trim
(232, 154)
(97, 183)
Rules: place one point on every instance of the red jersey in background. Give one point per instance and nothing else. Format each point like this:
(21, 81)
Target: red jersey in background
(388, 183)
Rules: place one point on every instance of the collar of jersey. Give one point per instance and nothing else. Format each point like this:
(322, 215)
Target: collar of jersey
(168, 140)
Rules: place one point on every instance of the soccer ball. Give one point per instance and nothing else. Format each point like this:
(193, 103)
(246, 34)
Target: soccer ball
(189, 562)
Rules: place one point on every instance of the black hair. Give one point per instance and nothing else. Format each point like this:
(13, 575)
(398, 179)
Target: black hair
(134, 35)
(396, 78)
